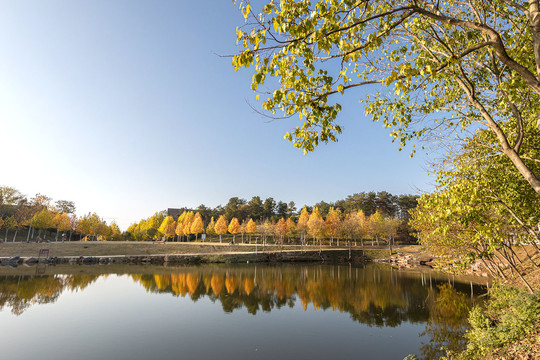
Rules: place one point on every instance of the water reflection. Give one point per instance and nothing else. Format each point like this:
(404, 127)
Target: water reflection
(375, 296)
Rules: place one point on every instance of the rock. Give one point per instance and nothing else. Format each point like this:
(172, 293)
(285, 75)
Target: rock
(31, 260)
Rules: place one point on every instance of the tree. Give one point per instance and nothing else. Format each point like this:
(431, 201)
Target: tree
(302, 223)
(116, 234)
(281, 209)
(232, 209)
(10, 196)
(88, 224)
(251, 228)
(291, 209)
(221, 227)
(281, 229)
(9, 223)
(62, 222)
(166, 228)
(187, 221)
(333, 220)
(179, 231)
(269, 208)
(291, 227)
(65, 207)
(43, 220)
(153, 224)
(234, 227)
(210, 229)
(255, 206)
(316, 225)
(375, 226)
(476, 64)
(243, 226)
(480, 209)
(41, 200)
(197, 226)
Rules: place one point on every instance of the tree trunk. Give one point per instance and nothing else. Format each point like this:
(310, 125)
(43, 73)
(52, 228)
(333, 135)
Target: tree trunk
(534, 19)
(5, 238)
(15, 235)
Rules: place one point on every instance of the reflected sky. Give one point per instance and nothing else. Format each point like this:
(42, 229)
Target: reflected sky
(233, 312)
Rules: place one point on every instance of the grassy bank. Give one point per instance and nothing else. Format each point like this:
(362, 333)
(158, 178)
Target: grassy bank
(77, 248)
(112, 248)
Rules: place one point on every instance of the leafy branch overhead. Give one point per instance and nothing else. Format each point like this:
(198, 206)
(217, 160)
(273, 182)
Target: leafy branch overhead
(433, 68)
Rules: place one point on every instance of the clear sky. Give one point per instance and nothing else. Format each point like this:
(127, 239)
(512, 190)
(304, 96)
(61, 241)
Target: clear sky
(123, 107)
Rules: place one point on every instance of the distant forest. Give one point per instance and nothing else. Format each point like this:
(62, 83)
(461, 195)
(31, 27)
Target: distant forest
(389, 205)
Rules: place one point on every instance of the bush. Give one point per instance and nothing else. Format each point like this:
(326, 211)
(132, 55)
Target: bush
(508, 317)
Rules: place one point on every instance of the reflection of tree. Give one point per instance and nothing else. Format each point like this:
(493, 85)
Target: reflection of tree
(447, 322)
(372, 295)
(21, 292)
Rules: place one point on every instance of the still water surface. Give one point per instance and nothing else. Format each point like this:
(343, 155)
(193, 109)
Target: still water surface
(233, 312)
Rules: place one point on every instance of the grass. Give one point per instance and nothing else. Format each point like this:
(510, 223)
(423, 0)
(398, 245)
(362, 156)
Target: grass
(109, 248)
(112, 248)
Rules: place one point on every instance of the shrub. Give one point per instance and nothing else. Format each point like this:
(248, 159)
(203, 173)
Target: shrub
(508, 317)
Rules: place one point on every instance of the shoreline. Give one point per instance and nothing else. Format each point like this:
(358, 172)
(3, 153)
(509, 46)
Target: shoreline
(274, 256)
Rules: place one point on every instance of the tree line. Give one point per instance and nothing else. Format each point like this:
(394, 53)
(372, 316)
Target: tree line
(309, 227)
(39, 216)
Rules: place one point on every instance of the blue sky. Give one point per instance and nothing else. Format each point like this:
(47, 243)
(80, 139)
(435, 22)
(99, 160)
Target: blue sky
(124, 108)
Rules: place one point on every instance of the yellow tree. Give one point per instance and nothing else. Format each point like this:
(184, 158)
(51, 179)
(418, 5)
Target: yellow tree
(333, 220)
(197, 225)
(165, 225)
(11, 223)
(281, 229)
(316, 225)
(179, 231)
(266, 229)
(62, 222)
(251, 228)
(188, 219)
(116, 234)
(221, 227)
(211, 228)
(291, 227)
(360, 227)
(43, 220)
(234, 227)
(302, 223)
(390, 227)
(375, 226)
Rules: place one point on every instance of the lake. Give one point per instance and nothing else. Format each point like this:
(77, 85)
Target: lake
(298, 311)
